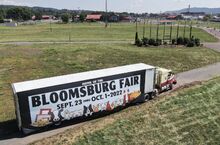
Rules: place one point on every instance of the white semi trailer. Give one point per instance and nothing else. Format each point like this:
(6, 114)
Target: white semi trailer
(49, 101)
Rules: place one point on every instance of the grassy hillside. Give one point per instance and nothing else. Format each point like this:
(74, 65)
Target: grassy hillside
(21, 63)
(88, 32)
(188, 117)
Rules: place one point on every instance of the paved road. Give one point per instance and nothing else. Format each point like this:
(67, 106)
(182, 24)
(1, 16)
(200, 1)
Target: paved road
(201, 74)
(216, 33)
(68, 42)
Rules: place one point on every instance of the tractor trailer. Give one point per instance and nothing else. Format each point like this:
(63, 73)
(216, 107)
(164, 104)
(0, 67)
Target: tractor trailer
(50, 101)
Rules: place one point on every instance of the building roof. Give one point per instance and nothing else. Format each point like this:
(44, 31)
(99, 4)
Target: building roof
(126, 18)
(45, 17)
(172, 17)
(93, 17)
(166, 21)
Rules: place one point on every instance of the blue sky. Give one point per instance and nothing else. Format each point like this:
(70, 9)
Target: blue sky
(117, 5)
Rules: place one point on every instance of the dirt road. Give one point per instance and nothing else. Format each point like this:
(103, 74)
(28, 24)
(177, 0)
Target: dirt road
(201, 74)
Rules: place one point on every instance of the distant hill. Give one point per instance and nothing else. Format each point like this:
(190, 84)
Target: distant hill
(47, 11)
(197, 9)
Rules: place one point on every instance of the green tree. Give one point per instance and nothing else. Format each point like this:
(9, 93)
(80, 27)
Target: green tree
(82, 17)
(1, 19)
(19, 13)
(207, 17)
(26, 14)
(38, 16)
(2, 16)
(65, 18)
(73, 17)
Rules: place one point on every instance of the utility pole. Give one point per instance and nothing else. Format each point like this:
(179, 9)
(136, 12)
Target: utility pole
(157, 35)
(184, 31)
(190, 32)
(178, 28)
(150, 29)
(50, 26)
(70, 32)
(144, 28)
(164, 32)
(171, 31)
(136, 25)
(106, 13)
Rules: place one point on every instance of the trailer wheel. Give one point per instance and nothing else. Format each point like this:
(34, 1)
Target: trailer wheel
(57, 123)
(155, 93)
(170, 87)
(147, 97)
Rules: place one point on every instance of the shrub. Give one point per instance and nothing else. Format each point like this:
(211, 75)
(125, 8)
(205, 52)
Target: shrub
(1, 19)
(139, 42)
(191, 43)
(165, 43)
(145, 41)
(180, 41)
(197, 42)
(151, 41)
(186, 41)
(173, 41)
(65, 18)
(158, 42)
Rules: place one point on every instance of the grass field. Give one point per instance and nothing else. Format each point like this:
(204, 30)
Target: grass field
(215, 25)
(88, 32)
(191, 116)
(21, 63)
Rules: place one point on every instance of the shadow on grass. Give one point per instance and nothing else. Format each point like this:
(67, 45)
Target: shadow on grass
(9, 129)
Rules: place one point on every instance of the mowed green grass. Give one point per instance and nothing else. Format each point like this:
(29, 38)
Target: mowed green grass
(191, 117)
(27, 62)
(90, 32)
(188, 116)
(208, 24)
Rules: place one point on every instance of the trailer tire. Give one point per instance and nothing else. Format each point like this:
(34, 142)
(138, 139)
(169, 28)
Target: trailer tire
(27, 131)
(170, 87)
(155, 93)
(147, 97)
(57, 123)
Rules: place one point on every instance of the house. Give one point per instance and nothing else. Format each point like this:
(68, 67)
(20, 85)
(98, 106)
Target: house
(193, 15)
(215, 20)
(171, 17)
(126, 19)
(45, 17)
(11, 24)
(7, 20)
(166, 22)
(94, 17)
(114, 18)
(76, 18)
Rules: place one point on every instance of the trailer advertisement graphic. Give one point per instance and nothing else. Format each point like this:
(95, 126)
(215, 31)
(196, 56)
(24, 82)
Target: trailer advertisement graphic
(84, 100)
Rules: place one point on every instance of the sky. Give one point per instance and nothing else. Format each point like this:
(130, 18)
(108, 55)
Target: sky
(137, 6)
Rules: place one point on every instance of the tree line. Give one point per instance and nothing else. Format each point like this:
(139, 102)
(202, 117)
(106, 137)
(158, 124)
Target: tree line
(23, 13)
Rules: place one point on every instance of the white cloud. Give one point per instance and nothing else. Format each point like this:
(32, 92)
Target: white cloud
(12, 2)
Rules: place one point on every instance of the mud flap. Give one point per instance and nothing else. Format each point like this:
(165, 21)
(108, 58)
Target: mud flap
(140, 99)
(27, 131)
